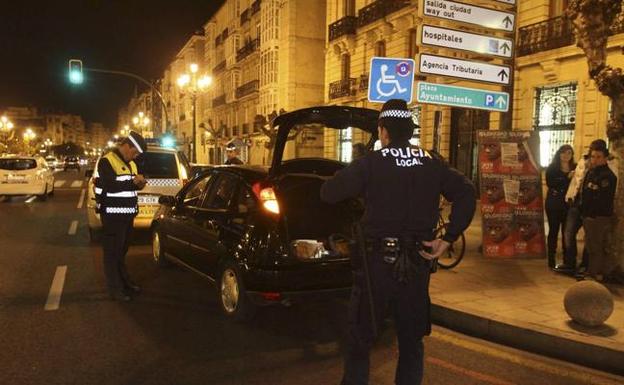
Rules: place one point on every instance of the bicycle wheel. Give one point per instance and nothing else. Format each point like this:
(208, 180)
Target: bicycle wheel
(455, 252)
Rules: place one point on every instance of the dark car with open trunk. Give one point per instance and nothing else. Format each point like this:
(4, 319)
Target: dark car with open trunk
(263, 235)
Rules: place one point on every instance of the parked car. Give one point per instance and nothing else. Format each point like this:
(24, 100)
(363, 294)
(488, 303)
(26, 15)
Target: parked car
(166, 171)
(263, 235)
(26, 175)
(52, 162)
(72, 162)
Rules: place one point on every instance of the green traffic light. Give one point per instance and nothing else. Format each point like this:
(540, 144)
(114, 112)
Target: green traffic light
(75, 71)
(75, 77)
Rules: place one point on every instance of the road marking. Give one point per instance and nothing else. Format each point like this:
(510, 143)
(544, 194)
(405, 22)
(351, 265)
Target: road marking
(483, 378)
(31, 199)
(76, 183)
(81, 200)
(54, 298)
(567, 371)
(59, 183)
(72, 228)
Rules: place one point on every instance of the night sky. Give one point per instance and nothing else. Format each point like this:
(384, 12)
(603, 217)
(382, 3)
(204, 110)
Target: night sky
(140, 36)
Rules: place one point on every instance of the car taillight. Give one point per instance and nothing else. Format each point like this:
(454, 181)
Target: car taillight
(267, 197)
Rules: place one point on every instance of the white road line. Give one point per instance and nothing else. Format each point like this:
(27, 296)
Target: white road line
(81, 200)
(76, 183)
(31, 199)
(59, 183)
(72, 228)
(54, 298)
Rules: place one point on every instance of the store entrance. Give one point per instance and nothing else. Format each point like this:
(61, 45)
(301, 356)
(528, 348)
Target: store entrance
(463, 149)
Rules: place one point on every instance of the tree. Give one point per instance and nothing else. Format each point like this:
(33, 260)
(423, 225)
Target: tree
(592, 20)
(264, 124)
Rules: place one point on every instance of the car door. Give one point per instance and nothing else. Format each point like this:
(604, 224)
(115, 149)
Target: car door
(180, 232)
(215, 213)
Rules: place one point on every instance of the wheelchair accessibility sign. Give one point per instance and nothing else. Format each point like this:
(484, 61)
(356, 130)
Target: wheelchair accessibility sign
(390, 78)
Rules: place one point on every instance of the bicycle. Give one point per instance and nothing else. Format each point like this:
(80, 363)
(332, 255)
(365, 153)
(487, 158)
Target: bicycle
(456, 250)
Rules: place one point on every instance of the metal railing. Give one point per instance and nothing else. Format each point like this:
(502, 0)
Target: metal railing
(378, 9)
(363, 83)
(218, 101)
(342, 88)
(345, 26)
(245, 16)
(255, 7)
(219, 67)
(247, 88)
(247, 49)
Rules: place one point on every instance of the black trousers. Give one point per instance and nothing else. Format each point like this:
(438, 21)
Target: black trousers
(409, 305)
(556, 224)
(117, 230)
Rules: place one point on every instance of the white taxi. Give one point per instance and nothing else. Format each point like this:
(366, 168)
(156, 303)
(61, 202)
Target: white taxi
(26, 175)
(166, 171)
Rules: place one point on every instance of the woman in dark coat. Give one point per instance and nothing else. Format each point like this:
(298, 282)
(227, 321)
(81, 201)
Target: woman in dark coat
(558, 175)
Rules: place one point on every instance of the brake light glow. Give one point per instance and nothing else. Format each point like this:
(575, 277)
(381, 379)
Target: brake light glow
(267, 196)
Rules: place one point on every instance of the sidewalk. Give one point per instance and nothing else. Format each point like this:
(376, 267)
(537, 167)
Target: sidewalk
(520, 303)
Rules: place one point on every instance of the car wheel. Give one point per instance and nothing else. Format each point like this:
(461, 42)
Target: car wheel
(232, 295)
(94, 235)
(158, 250)
(43, 197)
(51, 193)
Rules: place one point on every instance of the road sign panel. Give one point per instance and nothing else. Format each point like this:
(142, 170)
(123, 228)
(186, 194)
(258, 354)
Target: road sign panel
(464, 69)
(390, 78)
(471, 14)
(451, 38)
(462, 97)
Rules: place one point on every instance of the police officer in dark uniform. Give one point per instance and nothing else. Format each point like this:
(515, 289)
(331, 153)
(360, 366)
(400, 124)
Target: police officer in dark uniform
(116, 184)
(232, 155)
(401, 185)
(597, 210)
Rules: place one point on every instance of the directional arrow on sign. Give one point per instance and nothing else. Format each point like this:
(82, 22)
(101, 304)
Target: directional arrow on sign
(502, 74)
(501, 102)
(505, 47)
(507, 21)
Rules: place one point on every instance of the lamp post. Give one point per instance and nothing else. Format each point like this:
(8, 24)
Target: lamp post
(142, 122)
(28, 136)
(125, 131)
(47, 144)
(5, 126)
(194, 84)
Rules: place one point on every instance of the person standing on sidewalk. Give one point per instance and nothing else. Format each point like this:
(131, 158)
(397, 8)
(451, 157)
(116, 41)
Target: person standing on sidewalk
(401, 186)
(558, 175)
(116, 185)
(597, 211)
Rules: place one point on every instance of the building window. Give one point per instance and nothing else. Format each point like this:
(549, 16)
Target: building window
(558, 8)
(412, 45)
(554, 118)
(345, 66)
(348, 7)
(345, 143)
(380, 48)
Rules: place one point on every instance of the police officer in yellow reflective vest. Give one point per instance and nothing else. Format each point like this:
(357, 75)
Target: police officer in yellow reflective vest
(401, 185)
(116, 184)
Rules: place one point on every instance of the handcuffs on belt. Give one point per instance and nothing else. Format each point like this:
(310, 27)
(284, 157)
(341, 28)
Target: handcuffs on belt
(404, 259)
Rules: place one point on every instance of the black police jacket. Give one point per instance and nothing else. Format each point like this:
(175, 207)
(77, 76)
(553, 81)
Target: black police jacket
(401, 186)
(598, 192)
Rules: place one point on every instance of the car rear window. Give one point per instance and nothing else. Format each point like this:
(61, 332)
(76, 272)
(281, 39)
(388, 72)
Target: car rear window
(17, 164)
(159, 165)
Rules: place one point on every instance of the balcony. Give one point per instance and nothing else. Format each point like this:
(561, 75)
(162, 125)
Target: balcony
(218, 101)
(255, 7)
(218, 40)
(344, 26)
(244, 17)
(247, 88)
(378, 9)
(553, 33)
(363, 83)
(342, 88)
(247, 49)
(219, 68)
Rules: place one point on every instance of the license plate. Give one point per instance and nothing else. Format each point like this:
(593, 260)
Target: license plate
(147, 210)
(148, 199)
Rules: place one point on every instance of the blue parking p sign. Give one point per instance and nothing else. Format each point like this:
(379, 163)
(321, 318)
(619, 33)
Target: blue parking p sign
(390, 78)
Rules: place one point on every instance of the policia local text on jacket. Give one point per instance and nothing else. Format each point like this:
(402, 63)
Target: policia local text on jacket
(116, 188)
(401, 186)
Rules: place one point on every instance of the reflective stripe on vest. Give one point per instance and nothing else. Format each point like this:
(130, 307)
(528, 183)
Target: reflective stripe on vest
(122, 194)
(121, 202)
(121, 210)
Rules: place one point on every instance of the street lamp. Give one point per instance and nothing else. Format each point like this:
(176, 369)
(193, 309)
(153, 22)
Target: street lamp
(194, 84)
(125, 131)
(29, 135)
(5, 126)
(142, 122)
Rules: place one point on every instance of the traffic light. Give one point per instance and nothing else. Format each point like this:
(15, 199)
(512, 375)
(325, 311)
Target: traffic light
(75, 71)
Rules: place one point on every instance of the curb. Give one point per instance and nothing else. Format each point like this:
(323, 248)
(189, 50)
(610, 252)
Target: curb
(578, 349)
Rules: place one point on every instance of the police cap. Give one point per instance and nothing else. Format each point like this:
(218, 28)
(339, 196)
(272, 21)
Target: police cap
(137, 141)
(394, 113)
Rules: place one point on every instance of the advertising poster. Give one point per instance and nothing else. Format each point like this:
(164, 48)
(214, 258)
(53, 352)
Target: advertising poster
(511, 195)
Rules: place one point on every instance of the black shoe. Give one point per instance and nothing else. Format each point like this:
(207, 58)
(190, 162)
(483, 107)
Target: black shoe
(563, 268)
(133, 287)
(121, 297)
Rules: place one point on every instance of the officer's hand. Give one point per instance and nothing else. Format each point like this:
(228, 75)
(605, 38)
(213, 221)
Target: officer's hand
(438, 247)
(139, 181)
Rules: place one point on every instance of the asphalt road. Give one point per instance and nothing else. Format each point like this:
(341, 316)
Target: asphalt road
(173, 333)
